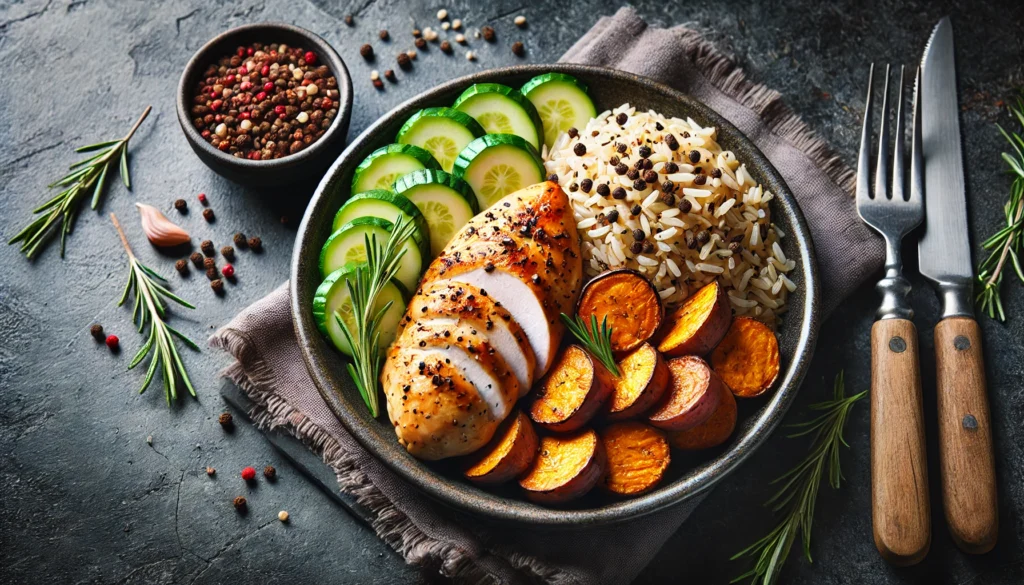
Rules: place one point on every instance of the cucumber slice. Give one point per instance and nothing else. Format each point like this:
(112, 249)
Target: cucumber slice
(446, 201)
(561, 101)
(383, 204)
(387, 163)
(495, 165)
(333, 295)
(501, 110)
(443, 132)
(348, 245)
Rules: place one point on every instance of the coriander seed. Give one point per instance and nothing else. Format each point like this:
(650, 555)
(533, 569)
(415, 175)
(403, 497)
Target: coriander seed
(520, 21)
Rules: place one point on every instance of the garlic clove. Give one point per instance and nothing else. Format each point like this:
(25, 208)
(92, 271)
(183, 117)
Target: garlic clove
(160, 230)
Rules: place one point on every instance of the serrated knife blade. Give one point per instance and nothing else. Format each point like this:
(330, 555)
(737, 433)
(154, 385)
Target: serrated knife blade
(944, 249)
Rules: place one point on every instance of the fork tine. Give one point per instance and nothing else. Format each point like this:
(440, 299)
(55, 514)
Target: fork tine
(864, 158)
(882, 167)
(899, 145)
(916, 156)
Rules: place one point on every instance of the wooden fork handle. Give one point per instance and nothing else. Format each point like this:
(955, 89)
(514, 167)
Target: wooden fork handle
(900, 511)
(965, 436)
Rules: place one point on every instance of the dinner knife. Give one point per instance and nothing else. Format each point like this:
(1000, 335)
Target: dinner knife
(966, 462)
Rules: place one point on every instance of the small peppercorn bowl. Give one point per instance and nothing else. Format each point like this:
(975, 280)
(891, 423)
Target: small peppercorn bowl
(311, 159)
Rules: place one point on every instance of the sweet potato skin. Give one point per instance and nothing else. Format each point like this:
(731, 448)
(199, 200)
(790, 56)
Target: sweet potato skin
(566, 467)
(638, 456)
(697, 326)
(712, 432)
(747, 359)
(573, 392)
(693, 395)
(630, 303)
(508, 455)
(644, 378)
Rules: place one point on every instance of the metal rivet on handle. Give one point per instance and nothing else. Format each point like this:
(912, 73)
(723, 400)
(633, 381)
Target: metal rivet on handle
(897, 344)
(970, 423)
(961, 343)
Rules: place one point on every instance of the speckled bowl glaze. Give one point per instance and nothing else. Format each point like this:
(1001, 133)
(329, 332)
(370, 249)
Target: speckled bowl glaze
(303, 164)
(688, 475)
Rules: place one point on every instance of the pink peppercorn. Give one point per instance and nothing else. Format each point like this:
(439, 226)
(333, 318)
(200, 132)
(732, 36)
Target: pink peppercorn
(261, 96)
(216, 104)
(112, 341)
(228, 271)
(224, 146)
(249, 51)
(229, 79)
(242, 70)
(310, 58)
(265, 70)
(245, 86)
(249, 473)
(202, 198)
(268, 86)
(241, 51)
(327, 103)
(205, 133)
(243, 115)
(279, 109)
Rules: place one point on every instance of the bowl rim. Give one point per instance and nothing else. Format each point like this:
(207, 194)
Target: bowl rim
(447, 491)
(204, 55)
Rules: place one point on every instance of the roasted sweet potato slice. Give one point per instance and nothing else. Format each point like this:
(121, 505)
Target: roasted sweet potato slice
(697, 326)
(508, 454)
(747, 359)
(693, 394)
(643, 380)
(712, 432)
(566, 467)
(629, 301)
(638, 456)
(575, 389)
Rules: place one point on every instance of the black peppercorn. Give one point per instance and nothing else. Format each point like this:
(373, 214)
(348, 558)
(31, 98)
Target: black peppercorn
(488, 33)
(255, 244)
(670, 168)
(196, 259)
(241, 505)
(579, 149)
(764, 230)
(389, 74)
(639, 184)
(421, 43)
(700, 179)
(348, 19)
(671, 142)
(226, 421)
(270, 473)
(691, 242)
(573, 187)
(621, 169)
(446, 46)
(685, 206)
(553, 178)
(668, 199)
(620, 147)
(636, 247)
(668, 186)
(384, 35)
(636, 210)
(645, 151)
(716, 173)
(217, 285)
(228, 252)
(586, 185)
(573, 132)
(648, 247)
(633, 174)
(404, 61)
(694, 156)
(208, 214)
(621, 118)
(650, 176)
(181, 266)
(603, 190)
(207, 247)
(366, 51)
(639, 235)
(97, 332)
(614, 160)
(181, 205)
(518, 49)
(619, 193)
(489, 267)
(703, 237)
(735, 247)
(613, 216)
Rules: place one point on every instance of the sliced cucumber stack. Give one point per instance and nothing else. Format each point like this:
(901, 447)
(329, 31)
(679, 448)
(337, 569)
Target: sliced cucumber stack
(387, 163)
(447, 203)
(495, 165)
(501, 110)
(348, 245)
(333, 296)
(443, 132)
(561, 101)
(383, 204)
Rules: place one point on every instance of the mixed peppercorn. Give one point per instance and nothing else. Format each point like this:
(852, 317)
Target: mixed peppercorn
(265, 101)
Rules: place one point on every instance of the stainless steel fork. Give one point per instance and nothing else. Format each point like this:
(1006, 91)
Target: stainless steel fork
(900, 509)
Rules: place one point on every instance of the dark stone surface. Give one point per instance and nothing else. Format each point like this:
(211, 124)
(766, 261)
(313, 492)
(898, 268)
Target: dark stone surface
(84, 498)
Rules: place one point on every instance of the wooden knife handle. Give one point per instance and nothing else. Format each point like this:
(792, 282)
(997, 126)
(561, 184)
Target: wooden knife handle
(965, 436)
(900, 510)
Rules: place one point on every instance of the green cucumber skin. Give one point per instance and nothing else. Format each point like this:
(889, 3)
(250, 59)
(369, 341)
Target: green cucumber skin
(512, 94)
(410, 150)
(451, 113)
(438, 177)
(389, 197)
(481, 144)
(322, 297)
(547, 77)
(422, 243)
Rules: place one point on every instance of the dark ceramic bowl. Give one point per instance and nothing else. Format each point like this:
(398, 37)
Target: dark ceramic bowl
(305, 163)
(688, 476)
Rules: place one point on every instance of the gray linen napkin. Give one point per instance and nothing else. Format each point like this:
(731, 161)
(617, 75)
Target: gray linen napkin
(268, 365)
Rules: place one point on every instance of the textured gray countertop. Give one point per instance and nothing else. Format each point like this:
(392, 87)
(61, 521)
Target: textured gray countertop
(85, 499)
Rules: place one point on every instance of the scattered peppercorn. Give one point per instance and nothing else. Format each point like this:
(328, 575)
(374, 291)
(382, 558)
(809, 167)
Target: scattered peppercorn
(208, 214)
(446, 47)
(202, 198)
(691, 242)
(671, 168)
(650, 176)
(181, 266)
(639, 185)
(421, 43)
(639, 234)
(196, 259)
(668, 186)
(716, 173)
(553, 178)
(518, 49)
(573, 132)
(580, 149)
(226, 421)
(97, 332)
(671, 142)
(635, 210)
(217, 285)
(620, 147)
(348, 19)
(612, 216)
(241, 505)
(239, 239)
(694, 156)
(700, 179)
(113, 342)
(645, 152)
(648, 247)
(621, 120)
(735, 247)
(180, 205)
(209, 263)
(621, 169)
(384, 35)
(228, 271)
(366, 51)
(228, 252)
(404, 61)
(633, 174)
(586, 185)
(636, 247)
(573, 187)
(210, 471)
(488, 33)
(603, 190)
(619, 193)
(703, 237)
(389, 74)
(270, 473)
(207, 247)
(255, 244)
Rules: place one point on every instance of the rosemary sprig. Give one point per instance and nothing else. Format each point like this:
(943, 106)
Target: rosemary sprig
(86, 176)
(364, 288)
(149, 308)
(799, 490)
(1005, 244)
(597, 339)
